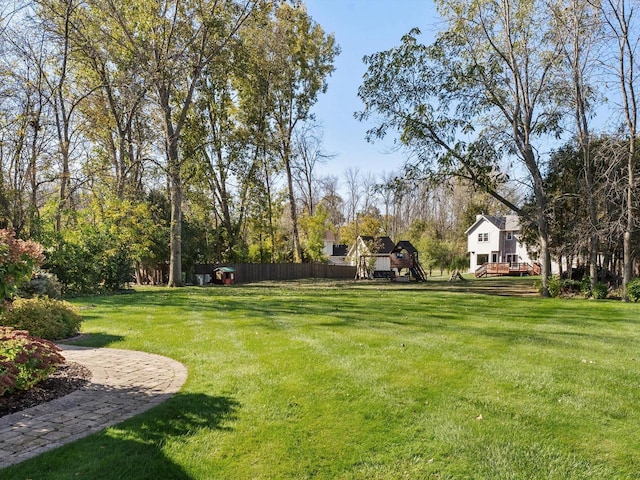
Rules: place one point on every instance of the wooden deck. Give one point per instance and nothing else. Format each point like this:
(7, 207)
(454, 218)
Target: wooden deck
(507, 269)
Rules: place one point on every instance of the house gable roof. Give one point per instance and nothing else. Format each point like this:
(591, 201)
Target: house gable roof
(512, 222)
(498, 221)
(501, 222)
(383, 245)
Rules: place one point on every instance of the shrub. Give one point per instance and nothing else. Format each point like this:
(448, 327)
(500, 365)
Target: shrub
(25, 360)
(554, 284)
(88, 266)
(42, 283)
(585, 286)
(561, 287)
(18, 259)
(600, 291)
(633, 289)
(570, 287)
(43, 317)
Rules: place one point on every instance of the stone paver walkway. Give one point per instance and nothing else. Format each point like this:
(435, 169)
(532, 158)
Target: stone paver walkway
(123, 384)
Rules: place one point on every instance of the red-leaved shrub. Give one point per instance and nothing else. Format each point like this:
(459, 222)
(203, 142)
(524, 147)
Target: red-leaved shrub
(25, 360)
(18, 259)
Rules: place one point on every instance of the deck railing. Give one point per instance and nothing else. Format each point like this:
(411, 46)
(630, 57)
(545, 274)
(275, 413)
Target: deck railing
(507, 268)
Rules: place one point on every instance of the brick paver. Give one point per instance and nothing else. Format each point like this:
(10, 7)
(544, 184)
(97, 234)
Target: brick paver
(123, 384)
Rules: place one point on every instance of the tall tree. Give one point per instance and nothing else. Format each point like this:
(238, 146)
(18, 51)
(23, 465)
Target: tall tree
(620, 18)
(308, 155)
(488, 78)
(578, 30)
(117, 111)
(302, 59)
(218, 135)
(24, 102)
(173, 41)
(66, 92)
(332, 201)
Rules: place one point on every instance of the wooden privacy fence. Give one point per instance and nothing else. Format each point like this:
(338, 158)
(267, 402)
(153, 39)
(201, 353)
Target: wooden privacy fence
(258, 272)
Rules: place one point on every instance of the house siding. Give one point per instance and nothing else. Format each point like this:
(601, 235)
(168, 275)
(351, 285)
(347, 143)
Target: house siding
(506, 250)
(477, 248)
(499, 248)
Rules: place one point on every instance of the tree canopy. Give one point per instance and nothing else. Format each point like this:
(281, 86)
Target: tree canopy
(494, 93)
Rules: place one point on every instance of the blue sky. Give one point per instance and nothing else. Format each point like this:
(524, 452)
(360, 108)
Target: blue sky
(361, 27)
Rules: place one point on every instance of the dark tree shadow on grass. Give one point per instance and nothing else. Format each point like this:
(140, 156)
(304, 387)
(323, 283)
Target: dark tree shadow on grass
(96, 339)
(133, 449)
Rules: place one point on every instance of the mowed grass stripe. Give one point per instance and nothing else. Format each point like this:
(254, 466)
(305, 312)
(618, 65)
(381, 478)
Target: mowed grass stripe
(343, 380)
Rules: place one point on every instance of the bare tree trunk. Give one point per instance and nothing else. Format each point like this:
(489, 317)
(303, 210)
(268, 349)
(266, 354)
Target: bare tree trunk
(175, 240)
(297, 248)
(175, 191)
(579, 56)
(630, 221)
(541, 216)
(272, 233)
(34, 229)
(545, 255)
(620, 20)
(175, 259)
(63, 119)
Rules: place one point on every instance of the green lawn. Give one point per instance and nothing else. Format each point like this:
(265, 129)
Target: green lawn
(369, 381)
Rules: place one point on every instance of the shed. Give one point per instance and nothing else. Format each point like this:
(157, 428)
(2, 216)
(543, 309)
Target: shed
(371, 256)
(225, 275)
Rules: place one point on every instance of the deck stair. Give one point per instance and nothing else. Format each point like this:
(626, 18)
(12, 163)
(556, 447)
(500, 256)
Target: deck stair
(481, 271)
(418, 272)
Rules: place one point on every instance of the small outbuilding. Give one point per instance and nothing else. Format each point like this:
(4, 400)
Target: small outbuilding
(379, 257)
(371, 256)
(224, 275)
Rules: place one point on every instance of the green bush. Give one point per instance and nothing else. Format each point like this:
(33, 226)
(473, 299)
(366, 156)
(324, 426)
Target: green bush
(600, 291)
(633, 289)
(25, 360)
(585, 286)
(554, 284)
(89, 266)
(570, 287)
(43, 283)
(43, 317)
(561, 287)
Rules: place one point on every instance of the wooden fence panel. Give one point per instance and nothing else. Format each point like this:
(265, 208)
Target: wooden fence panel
(260, 272)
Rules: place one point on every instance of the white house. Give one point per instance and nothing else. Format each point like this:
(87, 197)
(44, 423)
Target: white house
(336, 253)
(495, 239)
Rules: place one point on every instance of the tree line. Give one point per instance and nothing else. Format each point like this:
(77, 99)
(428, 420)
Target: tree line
(152, 132)
(162, 134)
(165, 133)
(536, 93)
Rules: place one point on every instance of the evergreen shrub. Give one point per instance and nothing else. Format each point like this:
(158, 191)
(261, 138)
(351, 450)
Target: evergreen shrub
(42, 283)
(600, 291)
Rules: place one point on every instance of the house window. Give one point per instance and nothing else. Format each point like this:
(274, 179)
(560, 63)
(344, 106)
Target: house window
(509, 235)
(483, 237)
